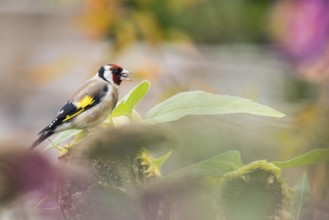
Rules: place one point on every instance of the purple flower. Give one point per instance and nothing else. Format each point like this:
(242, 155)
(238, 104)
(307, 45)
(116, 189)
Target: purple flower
(301, 28)
(305, 33)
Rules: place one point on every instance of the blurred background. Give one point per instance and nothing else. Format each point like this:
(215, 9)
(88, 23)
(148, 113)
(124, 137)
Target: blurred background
(273, 52)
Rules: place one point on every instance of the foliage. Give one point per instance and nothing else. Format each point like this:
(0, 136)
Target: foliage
(224, 173)
(128, 21)
(125, 22)
(311, 158)
(203, 103)
(126, 106)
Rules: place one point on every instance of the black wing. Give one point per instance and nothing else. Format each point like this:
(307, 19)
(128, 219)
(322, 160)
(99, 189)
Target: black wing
(68, 109)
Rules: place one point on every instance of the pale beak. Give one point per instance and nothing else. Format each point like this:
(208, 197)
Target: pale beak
(125, 75)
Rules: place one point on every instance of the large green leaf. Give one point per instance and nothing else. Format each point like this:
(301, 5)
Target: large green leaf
(216, 166)
(313, 157)
(127, 104)
(202, 103)
(302, 200)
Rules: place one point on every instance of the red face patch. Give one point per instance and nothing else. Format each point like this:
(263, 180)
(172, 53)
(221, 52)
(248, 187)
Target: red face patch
(116, 79)
(116, 70)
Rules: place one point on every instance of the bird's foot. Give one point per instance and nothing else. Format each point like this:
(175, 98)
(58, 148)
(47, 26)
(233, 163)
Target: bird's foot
(64, 150)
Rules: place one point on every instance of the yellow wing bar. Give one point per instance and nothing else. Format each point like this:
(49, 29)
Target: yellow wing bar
(73, 115)
(85, 101)
(81, 105)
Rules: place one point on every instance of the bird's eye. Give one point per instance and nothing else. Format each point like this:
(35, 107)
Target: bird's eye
(114, 70)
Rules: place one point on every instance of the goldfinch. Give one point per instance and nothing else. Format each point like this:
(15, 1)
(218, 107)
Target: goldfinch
(91, 105)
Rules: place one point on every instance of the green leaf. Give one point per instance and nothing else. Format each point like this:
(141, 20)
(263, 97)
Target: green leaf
(302, 200)
(203, 103)
(313, 157)
(127, 104)
(216, 166)
(61, 137)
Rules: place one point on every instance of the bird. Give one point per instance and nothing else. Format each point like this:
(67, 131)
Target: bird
(90, 105)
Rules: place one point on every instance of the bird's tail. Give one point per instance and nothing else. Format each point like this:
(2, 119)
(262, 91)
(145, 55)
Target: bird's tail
(43, 136)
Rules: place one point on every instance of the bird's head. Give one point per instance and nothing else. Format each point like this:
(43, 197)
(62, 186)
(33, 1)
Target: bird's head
(113, 73)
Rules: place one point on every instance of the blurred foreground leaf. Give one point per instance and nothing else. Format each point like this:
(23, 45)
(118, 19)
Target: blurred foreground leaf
(127, 104)
(302, 202)
(203, 103)
(313, 157)
(216, 166)
(126, 140)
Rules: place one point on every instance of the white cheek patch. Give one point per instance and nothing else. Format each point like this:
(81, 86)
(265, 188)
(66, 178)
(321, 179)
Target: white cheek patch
(108, 76)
